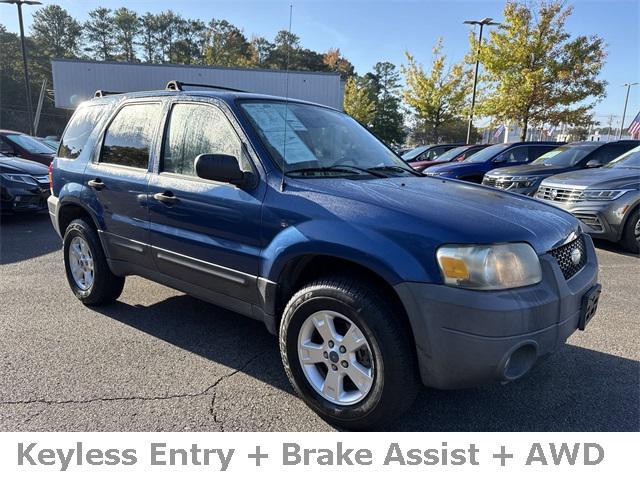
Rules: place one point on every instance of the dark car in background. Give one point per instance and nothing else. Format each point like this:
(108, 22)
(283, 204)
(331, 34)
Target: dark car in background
(456, 154)
(473, 168)
(606, 200)
(428, 152)
(525, 179)
(16, 144)
(24, 185)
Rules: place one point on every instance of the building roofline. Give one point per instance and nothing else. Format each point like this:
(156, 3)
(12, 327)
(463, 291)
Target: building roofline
(179, 65)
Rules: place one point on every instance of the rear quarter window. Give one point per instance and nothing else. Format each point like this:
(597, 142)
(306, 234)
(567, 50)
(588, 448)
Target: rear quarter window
(80, 127)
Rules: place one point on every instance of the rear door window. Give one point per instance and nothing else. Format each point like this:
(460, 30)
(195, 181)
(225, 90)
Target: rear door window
(129, 137)
(194, 129)
(80, 127)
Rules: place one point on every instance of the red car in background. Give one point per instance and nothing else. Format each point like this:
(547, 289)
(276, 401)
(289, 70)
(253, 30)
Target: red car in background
(16, 144)
(456, 154)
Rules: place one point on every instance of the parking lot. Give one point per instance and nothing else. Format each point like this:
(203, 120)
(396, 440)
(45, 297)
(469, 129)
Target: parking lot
(160, 360)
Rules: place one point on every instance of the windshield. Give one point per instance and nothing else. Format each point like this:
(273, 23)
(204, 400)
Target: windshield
(451, 154)
(415, 152)
(565, 156)
(630, 159)
(30, 144)
(486, 154)
(320, 139)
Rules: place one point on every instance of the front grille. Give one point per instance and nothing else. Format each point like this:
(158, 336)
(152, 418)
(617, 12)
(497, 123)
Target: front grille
(564, 255)
(591, 220)
(555, 194)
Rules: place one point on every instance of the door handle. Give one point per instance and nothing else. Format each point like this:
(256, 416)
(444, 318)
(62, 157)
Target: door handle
(165, 197)
(96, 183)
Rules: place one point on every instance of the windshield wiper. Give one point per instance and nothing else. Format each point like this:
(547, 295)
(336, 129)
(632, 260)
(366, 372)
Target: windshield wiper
(393, 168)
(336, 168)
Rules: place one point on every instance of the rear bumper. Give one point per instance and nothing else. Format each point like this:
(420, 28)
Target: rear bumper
(467, 338)
(53, 204)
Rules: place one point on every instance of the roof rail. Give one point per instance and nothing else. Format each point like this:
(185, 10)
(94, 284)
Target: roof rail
(104, 93)
(176, 86)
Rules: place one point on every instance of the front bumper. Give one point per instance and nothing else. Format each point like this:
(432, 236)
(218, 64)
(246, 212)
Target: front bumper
(466, 338)
(604, 219)
(17, 198)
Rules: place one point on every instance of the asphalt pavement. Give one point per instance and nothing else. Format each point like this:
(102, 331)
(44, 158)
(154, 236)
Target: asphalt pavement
(159, 360)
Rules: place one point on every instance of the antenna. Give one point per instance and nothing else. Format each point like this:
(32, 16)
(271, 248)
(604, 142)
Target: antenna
(286, 105)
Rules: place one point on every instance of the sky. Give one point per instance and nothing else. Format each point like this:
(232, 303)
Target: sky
(368, 31)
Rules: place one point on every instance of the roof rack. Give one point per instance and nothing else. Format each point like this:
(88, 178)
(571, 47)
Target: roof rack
(104, 93)
(176, 86)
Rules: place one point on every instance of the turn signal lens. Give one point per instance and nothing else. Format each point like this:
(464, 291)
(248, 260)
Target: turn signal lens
(454, 268)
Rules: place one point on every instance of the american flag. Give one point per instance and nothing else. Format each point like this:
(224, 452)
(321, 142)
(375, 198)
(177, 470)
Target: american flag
(498, 131)
(634, 127)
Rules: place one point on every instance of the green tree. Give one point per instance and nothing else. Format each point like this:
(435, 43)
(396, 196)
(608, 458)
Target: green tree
(535, 72)
(227, 46)
(149, 31)
(126, 27)
(100, 33)
(190, 46)
(436, 98)
(55, 32)
(167, 33)
(388, 121)
(261, 49)
(359, 101)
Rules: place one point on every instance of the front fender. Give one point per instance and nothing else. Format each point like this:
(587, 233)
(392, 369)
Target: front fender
(357, 244)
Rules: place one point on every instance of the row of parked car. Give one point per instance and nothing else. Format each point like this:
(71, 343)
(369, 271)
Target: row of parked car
(568, 176)
(24, 180)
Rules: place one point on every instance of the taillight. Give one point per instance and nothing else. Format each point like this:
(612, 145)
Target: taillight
(51, 176)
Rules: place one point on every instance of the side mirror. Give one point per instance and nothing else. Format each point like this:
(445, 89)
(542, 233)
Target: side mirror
(500, 159)
(595, 163)
(219, 167)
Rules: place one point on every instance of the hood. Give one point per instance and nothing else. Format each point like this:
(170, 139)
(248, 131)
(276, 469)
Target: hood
(19, 165)
(601, 178)
(530, 169)
(435, 211)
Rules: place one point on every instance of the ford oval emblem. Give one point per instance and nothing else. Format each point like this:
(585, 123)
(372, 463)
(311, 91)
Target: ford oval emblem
(576, 256)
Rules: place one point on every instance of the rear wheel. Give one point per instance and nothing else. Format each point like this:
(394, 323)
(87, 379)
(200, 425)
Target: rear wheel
(631, 234)
(87, 270)
(348, 353)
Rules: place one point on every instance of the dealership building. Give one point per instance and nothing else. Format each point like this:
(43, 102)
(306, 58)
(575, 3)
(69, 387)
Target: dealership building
(76, 80)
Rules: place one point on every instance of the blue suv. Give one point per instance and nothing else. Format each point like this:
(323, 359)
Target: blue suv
(473, 168)
(374, 278)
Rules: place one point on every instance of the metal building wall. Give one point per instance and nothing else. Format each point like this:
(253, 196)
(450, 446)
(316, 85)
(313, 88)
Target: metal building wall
(76, 80)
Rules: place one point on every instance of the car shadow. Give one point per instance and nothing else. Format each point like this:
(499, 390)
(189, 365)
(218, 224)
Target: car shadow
(26, 236)
(577, 389)
(613, 248)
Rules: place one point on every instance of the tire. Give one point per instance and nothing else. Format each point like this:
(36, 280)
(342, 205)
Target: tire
(629, 240)
(395, 380)
(104, 286)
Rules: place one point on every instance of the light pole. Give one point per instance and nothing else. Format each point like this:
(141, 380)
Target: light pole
(482, 23)
(624, 112)
(19, 4)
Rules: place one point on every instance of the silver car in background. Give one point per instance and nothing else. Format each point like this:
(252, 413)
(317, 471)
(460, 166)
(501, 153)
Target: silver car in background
(606, 200)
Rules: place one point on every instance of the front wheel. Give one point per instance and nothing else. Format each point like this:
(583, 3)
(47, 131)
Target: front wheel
(631, 234)
(88, 273)
(348, 353)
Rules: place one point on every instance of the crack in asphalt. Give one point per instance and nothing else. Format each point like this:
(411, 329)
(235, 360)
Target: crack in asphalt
(212, 409)
(206, 391)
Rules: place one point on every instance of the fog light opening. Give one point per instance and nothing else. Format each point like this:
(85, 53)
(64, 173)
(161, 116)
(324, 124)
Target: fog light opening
(519, 362)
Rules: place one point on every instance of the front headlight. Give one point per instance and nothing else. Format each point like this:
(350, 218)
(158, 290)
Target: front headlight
(594, 195)
(434, 174)
(13, 177)
(489, 267)
(525, 180)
